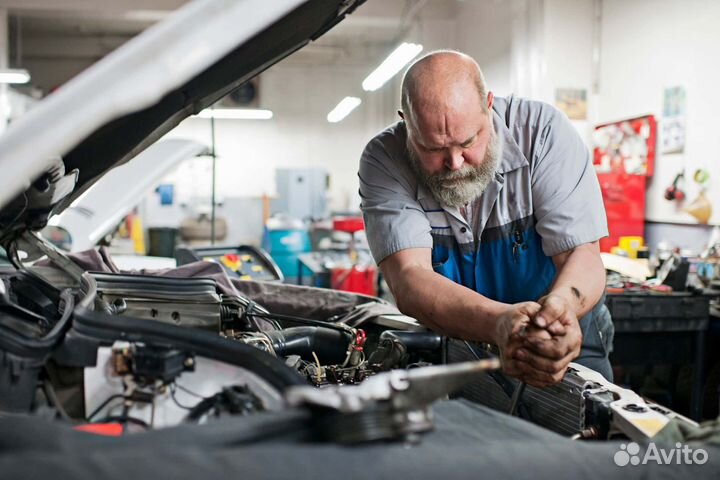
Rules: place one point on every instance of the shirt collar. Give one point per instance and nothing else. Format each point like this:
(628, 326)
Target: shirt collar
(512, 157)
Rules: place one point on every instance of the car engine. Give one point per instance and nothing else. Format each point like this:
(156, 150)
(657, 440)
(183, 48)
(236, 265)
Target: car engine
(144, 351)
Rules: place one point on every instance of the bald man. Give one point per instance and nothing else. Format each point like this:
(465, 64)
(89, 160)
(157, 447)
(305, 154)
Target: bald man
(484, 215)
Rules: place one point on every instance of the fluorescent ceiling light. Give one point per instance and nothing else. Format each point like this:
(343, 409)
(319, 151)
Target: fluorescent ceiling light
(343, 109)
(14, 75)
(236, 114)
(400, 57)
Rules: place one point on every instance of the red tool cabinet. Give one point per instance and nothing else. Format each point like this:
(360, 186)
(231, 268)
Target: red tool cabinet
(624, 156)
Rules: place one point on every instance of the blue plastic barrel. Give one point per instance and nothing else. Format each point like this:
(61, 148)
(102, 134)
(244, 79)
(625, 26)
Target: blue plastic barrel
(284, 240)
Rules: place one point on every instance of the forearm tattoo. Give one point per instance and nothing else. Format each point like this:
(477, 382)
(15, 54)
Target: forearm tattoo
(578, 295)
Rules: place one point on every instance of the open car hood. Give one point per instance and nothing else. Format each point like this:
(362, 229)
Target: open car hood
(118, 107)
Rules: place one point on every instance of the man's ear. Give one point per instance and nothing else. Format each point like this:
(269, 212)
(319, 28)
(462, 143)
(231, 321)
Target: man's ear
(400, 112)
(490, 98)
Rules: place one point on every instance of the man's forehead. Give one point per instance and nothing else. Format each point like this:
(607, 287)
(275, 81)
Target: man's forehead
(438, 127)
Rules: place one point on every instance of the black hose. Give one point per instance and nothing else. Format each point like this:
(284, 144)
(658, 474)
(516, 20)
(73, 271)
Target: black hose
(413, 341)
(304, 321)
(104, 404)
(105, 327)
(23, 346)
(328, 344)
(201, 408)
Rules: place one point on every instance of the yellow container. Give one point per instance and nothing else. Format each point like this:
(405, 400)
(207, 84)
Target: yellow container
(631, 245)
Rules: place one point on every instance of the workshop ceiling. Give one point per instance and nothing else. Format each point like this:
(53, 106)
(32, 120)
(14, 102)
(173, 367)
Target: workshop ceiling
(62, 37)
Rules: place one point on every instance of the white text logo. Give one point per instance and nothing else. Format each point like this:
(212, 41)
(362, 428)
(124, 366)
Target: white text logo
(680, 455)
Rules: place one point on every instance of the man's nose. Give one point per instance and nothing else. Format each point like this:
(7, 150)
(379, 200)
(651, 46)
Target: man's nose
(454, 159)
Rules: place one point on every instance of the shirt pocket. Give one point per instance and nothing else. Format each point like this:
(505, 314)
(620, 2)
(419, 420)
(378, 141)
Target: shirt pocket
(445, 263)
(518, 246)
(440, 256)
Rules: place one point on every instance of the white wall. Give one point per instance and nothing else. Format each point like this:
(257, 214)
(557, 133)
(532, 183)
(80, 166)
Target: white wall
(482, 31)
(648, 45)
(568, 33)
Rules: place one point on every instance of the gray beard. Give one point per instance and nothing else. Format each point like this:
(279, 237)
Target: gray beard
(458, 188)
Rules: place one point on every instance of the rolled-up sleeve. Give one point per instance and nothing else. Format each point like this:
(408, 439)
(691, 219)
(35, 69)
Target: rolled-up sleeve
(566, 194)
(394, 219)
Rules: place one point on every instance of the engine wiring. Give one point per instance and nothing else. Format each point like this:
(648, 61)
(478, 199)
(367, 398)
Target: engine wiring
(305, 321)
(131, 395)
(174, 387)
(258, 340)
(143, 397)
(319, 367)
(253, 310)
(186, 390)
(11, 248)
(53, 400)
(236, 400)
(124, 419)
(238, 319)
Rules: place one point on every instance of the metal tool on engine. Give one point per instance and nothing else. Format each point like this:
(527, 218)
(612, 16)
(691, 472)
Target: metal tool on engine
(393, 405)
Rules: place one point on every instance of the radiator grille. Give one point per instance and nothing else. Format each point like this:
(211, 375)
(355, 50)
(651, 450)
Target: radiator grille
(560, 408)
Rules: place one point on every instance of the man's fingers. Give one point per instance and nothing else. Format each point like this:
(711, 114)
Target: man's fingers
(557, 328)
(537, 333)
(509, 364)
(554, 314)
(539, 363)
(519, 326)
(553, 308)
(530, 374)
(514, 330)
(547, 365)
(552, 349)
(510, 368)
(558, 347)
(529, 308)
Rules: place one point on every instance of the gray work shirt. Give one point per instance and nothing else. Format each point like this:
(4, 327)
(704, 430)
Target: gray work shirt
(544, 200)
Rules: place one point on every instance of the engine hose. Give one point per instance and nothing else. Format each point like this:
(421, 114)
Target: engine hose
(330, 345)
(414, 340)
(105, 328)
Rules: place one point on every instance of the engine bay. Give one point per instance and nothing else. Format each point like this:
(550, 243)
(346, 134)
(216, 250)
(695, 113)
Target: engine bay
(95, 347)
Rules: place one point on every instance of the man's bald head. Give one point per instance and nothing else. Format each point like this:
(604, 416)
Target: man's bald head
(439, 80)
(451, 142)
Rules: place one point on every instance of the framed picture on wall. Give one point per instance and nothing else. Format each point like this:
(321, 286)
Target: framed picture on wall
(572, 101)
